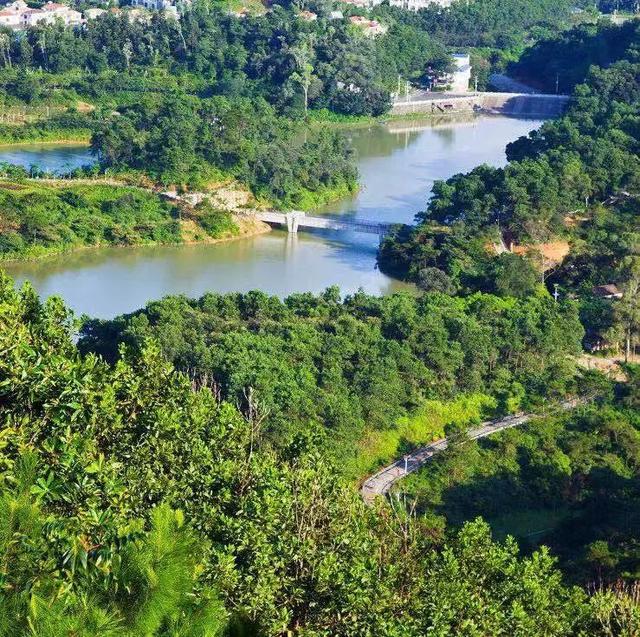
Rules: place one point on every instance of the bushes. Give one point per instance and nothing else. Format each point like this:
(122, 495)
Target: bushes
(117, 451)
(362, 369)
(178, 139)
(567, 481)
(37, 219)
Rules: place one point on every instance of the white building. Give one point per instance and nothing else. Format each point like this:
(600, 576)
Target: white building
(18, 15)
(416, 5)
(371, 28)
(54, 11)
(93, 13)
(174, 6)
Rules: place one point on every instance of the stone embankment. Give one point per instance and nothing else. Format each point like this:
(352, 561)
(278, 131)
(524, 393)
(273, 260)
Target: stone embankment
(520, 104)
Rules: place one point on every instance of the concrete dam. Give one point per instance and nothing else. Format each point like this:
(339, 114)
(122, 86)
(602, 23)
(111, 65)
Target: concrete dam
(522, 104)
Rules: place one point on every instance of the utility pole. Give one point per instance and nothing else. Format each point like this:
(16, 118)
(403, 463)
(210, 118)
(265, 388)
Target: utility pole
(555, 292)
(475, 84)
(406, 464)
(557, 82)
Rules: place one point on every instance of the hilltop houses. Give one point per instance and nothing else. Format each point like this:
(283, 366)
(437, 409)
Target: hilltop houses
(371, 28)
(169, 7)
(409, 5)
(18, 15)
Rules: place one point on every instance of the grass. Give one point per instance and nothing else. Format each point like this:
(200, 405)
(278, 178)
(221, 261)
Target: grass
(420, 428)
(40, 219)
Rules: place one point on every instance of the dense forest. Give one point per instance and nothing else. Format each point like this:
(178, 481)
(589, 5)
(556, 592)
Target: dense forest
(183, 140)
(366, 375)
(135, 502)
(574, 179)
(212, 94)
(191, 469)
(276, 56)
(571, 483)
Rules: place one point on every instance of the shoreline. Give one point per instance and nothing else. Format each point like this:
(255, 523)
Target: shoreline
(248, 228)
(85, 142)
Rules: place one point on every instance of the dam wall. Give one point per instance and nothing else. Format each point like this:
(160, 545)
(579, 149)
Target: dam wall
(522, 104)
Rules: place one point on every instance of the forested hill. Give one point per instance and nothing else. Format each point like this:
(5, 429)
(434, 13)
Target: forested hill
(133, 502)
(569, 181)
(277, 56)
(366, 375)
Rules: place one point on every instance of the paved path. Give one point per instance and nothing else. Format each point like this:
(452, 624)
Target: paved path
(381, 482)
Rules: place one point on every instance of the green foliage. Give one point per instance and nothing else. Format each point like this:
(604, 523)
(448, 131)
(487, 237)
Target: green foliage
(68, 126)
(97, 545)
(39, 219)
(364, 369)
(564, 60)
(575, 178)
(179, 138)
(216, 223)
(570, 482)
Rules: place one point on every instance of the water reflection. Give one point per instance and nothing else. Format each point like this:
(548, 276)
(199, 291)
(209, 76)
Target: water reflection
(51, 158)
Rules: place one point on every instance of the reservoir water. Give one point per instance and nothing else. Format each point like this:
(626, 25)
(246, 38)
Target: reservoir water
(398, 164)
(51, 158)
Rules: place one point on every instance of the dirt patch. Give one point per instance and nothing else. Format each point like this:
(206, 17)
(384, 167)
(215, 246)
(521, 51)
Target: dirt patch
(231, 196)
(553, 251)
(85, 107)
(609, 365)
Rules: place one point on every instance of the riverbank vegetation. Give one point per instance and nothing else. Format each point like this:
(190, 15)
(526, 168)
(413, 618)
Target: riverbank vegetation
(209, 51)
(179, 139)
(65, 127)
(189, 469)
(38, 219)
(136, 478)
(208, 92)
(365, 375)
(575, 179)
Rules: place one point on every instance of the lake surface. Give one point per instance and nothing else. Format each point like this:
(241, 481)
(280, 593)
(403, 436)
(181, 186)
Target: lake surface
(52, 158)
(398, 164)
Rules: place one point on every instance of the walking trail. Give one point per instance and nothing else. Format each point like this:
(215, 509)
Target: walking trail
(380, 483)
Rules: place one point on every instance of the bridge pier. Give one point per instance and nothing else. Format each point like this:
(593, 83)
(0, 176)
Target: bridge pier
(293, 220)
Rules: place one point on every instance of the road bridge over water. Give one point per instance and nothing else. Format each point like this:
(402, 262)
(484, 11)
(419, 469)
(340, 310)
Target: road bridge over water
(298, 219)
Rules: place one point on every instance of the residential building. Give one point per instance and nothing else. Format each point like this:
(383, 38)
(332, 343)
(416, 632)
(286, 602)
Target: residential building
(416, 5)
(371, 28)
(361, 4)
(54, 11)
(93, 13)
(162, 5)
(18, 15)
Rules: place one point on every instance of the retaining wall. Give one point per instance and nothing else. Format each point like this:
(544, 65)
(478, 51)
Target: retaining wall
(503, 103)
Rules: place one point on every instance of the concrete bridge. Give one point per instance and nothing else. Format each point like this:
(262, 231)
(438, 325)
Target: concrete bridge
(297, 219)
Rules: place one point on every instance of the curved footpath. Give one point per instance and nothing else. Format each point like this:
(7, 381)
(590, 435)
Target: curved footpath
(381, 482)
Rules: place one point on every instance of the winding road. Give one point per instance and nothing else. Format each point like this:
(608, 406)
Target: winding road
(380, 483)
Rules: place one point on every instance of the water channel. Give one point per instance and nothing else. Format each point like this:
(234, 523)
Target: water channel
(398, 164)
